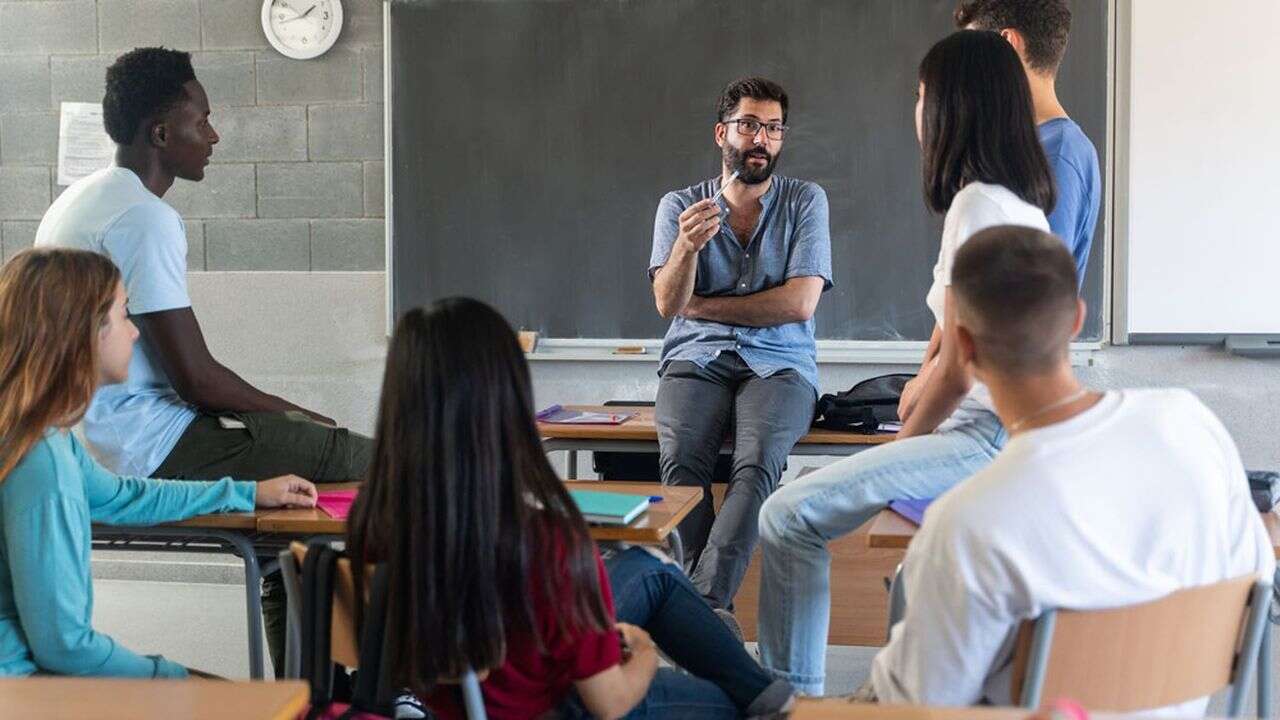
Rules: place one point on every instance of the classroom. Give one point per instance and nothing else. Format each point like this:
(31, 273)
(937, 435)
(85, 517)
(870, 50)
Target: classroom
(638, 358)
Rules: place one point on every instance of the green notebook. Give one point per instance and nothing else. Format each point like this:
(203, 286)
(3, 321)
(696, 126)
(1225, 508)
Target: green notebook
(608, 508)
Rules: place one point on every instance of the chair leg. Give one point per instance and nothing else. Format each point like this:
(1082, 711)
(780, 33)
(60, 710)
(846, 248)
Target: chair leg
(1264, 670)
(897, 600)
(472, 697)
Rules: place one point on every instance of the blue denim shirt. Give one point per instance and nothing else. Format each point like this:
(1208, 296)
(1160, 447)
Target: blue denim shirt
(792, 239)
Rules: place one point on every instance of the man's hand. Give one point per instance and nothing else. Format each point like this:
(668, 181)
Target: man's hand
(637, 640)
(910, 394)
(698, 224)
(286, 491)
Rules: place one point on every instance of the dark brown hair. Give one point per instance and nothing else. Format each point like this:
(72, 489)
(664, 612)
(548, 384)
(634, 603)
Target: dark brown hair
(462, 504)
(1015, 291)
(52, 305)
(1043, 24)
(756, 88)
(978, 124)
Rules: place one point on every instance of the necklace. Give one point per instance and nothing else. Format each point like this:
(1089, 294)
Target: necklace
(1013, 427)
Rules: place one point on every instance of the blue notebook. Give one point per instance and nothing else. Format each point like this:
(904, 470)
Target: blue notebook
(912, 510)
(608, 508)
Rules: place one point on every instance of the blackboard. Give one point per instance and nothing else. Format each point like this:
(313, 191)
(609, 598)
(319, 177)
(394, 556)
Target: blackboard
(532, 140)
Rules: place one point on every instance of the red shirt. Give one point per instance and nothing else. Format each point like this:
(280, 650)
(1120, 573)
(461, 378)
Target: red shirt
(531, 682)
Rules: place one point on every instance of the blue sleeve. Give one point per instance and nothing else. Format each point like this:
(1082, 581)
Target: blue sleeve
(148, 242)
(666, 227)
(1070, 217)
(118, 500)
(811, 250)
(47, 547)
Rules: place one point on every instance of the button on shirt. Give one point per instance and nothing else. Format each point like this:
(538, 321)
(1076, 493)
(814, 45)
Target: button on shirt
(792, 239)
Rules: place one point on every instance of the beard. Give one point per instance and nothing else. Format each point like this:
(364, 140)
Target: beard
(749, 174)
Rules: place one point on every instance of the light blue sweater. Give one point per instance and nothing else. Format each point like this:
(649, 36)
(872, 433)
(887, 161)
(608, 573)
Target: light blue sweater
(46, 596)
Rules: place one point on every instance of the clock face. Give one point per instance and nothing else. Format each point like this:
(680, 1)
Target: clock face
(302, 29)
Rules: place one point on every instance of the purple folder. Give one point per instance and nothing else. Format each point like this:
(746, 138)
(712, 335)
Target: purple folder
(912, 510)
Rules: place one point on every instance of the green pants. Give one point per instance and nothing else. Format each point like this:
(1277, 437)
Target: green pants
(268, 445)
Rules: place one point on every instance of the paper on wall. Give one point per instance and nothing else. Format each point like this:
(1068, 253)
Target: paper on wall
(83, 144)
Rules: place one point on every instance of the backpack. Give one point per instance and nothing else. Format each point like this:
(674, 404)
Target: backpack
(862, 407)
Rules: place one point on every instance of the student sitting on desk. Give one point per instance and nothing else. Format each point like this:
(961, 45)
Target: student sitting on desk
(63, 333)
(181, 413)
(738, 266)
(982, 166)
(491, 566)
(1099, 499)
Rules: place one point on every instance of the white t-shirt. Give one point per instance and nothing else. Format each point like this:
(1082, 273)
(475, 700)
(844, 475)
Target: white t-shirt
(976, 207)
(132, 426)
(1137, 497)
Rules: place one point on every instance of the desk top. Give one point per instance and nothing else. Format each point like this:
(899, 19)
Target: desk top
(653, 527)
(115, 699)
(643, 427)
(891, 530)
(814, 709)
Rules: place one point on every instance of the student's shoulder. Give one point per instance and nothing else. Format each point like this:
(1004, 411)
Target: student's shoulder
(1064, 141)
(148, 213)
(801, 193)
(44, 471)
(995, 497)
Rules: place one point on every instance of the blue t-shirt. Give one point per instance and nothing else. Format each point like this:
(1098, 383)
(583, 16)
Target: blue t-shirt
(792, 239)
(132, 426)
(1074, 163)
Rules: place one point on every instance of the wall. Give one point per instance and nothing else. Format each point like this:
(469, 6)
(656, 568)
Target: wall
(322, 344)
(295, 184)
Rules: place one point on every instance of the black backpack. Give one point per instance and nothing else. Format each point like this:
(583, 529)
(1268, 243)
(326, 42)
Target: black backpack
(862, 407)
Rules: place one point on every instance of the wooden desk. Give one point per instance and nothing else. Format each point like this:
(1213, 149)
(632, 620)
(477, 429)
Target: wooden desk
(654, 528)
(640, 434)
(814, 709)
(115, 699)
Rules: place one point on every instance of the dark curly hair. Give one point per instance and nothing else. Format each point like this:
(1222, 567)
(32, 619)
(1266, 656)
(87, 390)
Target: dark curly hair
(142, 84)
(756, 88)
(1044, 24)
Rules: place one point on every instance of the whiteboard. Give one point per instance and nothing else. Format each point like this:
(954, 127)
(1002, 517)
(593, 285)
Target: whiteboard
(1203, 241)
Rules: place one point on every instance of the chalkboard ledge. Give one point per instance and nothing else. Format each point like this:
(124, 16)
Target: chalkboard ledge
(830, 352)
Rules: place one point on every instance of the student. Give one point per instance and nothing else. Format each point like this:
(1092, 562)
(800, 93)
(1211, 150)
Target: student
(740, 296)
(983, 166)
(180, 414)
(1038, 30)
(491, 566)
(1099, 499)
(63, 333)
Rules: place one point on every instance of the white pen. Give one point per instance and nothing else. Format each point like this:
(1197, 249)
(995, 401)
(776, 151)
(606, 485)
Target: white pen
(720, 192)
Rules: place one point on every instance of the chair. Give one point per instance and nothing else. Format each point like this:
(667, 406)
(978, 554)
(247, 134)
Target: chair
(307, 632)
(1183, 646)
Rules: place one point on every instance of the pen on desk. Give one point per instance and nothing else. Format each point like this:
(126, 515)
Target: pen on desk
(655, 498)
(724, 185)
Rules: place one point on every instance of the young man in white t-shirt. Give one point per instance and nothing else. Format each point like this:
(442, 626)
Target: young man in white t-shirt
(181, 414)
(1098, 500)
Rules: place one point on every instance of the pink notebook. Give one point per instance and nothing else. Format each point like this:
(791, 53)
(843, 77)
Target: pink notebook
(336, 503)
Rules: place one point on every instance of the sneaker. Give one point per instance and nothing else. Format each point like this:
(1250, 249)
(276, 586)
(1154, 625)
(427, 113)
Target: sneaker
(408, 707)
(730, 622)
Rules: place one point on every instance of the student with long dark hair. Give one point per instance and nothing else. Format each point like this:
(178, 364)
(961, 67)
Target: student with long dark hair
(982, 166)
(64, 332)
(490, 563)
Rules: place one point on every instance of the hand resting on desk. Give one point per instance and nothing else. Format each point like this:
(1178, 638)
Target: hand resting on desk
(286, 491)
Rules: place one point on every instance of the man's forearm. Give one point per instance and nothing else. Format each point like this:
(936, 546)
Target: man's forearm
(673, 283)
(791, 302)
(225, 391)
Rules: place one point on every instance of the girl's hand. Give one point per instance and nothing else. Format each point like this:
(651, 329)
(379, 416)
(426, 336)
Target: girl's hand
(286, 491)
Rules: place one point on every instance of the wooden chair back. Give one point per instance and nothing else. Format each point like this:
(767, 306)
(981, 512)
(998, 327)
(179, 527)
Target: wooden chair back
(1183, 646)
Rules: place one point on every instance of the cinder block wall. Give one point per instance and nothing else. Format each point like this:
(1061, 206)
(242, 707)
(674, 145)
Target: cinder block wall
(295, 184)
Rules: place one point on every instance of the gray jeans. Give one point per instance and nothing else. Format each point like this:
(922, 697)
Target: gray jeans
(695, 407)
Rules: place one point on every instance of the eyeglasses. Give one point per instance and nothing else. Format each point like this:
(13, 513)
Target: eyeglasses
(748, 128)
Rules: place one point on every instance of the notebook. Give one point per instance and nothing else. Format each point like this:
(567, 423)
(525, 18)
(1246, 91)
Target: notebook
(607, 508)
(563, 416)
(336, 503)
(912, 510)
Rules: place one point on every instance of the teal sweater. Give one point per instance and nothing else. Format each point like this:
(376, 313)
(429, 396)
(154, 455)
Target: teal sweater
(46, 595)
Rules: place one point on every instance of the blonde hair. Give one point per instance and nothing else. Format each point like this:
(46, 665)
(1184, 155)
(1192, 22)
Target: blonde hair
(52, 305)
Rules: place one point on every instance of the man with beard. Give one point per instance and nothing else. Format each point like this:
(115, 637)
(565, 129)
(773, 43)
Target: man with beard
(739, 359)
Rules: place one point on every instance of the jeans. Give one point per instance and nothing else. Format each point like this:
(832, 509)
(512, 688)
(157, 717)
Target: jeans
(270, 444)
(798, 521)
(694, 408)
(721, 679)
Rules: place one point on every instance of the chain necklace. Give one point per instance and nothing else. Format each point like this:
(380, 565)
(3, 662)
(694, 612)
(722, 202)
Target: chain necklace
(1013, 427)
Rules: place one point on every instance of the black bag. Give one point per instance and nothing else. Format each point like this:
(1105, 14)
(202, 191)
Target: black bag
(1264, 486)
(862, 407)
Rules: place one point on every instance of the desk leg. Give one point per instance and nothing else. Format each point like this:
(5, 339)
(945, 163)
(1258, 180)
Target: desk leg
(573, 464)
(1264, 668)
(676, 546)
(252, 599)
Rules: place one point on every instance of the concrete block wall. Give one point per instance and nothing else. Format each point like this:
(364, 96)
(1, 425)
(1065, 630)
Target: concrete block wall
(296, 182)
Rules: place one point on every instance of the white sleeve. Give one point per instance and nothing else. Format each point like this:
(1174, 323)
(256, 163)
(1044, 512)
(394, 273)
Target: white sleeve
(148, 242)
(970, 214)
(951, 635)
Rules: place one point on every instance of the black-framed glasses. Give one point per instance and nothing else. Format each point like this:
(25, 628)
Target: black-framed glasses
(748, 128)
